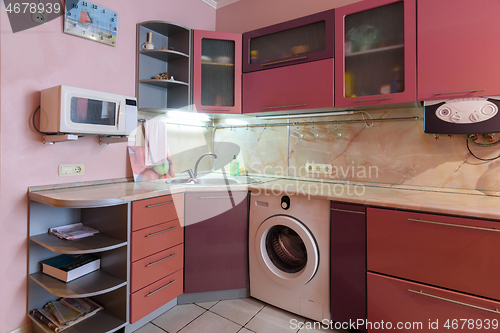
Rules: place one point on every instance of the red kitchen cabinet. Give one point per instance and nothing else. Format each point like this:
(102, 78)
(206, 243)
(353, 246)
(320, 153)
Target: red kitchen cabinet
(375, 53)
(457, 54)
(216, 241)
(449, 252)
(297, 87)
(348, 262)
(403, 306)
(217, 72)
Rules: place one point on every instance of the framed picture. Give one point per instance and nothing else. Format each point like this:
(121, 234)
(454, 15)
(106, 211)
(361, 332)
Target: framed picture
(88, 20)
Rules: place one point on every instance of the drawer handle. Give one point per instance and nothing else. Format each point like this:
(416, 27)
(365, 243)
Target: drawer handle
(159, 232)
(216, 109)
(160, 204)
(372, 99)
(347, 211)
(454, 225)
(458, 92)
(158, 261)
(229, 196)
(282, 106)
(157, 290)
(282, 61)
(452, 301)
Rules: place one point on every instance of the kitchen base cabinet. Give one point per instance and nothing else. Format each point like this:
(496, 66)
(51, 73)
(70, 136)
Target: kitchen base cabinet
(348, 262)
(216, 241)
(414, 307)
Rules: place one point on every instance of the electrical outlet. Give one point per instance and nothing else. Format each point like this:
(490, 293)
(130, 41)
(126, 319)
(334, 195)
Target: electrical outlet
(71, 170)
(319, 168)
(38, 17)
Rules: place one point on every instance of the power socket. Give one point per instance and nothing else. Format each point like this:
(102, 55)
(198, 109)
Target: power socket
(39, 18)
(319, 168)
(71, 170)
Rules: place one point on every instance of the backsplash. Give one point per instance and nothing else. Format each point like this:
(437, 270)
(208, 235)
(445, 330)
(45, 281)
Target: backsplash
(387, 152)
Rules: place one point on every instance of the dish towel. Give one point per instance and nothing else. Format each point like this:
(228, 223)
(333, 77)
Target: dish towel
(155, 140)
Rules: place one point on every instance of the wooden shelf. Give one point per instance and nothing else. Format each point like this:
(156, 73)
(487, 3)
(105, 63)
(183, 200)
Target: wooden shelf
(101, 322)
(167, 29)
(96, 243)
(376, 50)
(164, 83)
(93, 284)
(217, 64)
(164, 55)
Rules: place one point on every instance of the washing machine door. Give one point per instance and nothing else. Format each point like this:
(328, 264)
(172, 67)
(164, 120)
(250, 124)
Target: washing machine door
(286, 251)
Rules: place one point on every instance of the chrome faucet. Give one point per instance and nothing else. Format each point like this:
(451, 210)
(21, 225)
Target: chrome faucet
(195, 173)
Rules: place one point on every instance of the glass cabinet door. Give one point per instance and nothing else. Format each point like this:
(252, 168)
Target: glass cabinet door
(217, 72)
(375, 53)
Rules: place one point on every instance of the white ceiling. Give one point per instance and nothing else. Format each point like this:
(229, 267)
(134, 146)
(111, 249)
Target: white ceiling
(219, 3)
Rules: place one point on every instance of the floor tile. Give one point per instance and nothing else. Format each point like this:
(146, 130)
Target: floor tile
(210, 322)
(149, 328)
(207, 305)
(238, 310)
(273, 320)
(178, 317)
(316, 327)
(244, 330)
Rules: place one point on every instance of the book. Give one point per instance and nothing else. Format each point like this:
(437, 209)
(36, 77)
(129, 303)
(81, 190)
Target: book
(67, 267)
(38, 315)
(63, 313)
(73, 231)
(83, 305)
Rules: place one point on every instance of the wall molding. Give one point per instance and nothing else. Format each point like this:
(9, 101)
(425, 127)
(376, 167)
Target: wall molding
(219, 3)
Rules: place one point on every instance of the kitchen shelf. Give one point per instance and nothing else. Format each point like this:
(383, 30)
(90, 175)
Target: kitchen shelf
(95, 283)
(165, 55)
(101, 322)
(164, 83)
(92, 244)
(376, 50)
(217, 64)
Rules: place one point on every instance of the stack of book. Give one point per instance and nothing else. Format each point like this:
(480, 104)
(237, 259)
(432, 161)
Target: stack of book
(66, 312)
(67, 267)
(73, 231)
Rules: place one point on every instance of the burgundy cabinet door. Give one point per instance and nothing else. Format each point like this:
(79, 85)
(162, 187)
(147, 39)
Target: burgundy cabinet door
(348, 262)
(457, 56)
(217, 72)
(375, 53)
(216, 241)
(404, 306)
(304, 86)
(450, 252)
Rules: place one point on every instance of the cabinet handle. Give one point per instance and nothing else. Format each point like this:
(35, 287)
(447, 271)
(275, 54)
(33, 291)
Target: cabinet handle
(216, 109)
(159, 232)
(347, 211)
(157, 290)
(282, 106)
(454, 225)
(229, 196)
(373, 99)
(458, 92)
(158, 261)
(160, 204)
(452, 301)
(282, 61)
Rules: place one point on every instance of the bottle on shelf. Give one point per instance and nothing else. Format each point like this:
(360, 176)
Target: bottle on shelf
(397, 84)
(234, 167)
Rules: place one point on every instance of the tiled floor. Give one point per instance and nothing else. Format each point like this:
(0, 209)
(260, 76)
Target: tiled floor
(243, 315)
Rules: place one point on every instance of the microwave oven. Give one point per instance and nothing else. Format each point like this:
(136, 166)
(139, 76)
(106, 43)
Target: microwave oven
(70, 110)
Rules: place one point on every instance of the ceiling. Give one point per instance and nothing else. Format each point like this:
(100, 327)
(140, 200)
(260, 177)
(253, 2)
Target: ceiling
(219, 3)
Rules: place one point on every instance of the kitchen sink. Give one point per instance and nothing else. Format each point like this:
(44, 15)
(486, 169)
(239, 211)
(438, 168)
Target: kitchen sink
(215, 181)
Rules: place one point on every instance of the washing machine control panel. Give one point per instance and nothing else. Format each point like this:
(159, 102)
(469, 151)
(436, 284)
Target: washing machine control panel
(285, 202)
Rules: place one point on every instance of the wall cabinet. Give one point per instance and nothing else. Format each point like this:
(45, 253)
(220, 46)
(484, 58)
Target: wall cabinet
(456, 52)
(216, 241)
(170, 52)
(106, 286)
(375, 53)
(217, 72)
(348, 262)
(305, 39)
(305, 86)
(156, 275)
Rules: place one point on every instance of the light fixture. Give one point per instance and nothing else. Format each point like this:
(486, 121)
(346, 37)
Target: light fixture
(306, 115)
(235, 122)
(182, 115)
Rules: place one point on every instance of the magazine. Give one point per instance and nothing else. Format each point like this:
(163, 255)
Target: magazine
(73, 231)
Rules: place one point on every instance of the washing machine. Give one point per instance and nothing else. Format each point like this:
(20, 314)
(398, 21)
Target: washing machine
(289, 253)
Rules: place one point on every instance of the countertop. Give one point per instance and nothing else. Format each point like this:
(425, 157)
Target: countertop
(468, 203)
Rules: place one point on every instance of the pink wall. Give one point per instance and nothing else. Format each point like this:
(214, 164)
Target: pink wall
(247, 15)
(43, 57)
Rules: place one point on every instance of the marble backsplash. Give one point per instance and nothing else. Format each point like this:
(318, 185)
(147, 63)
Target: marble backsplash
(386, 152)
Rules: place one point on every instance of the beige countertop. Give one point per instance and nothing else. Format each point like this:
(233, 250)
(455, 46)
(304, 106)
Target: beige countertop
(468, 203)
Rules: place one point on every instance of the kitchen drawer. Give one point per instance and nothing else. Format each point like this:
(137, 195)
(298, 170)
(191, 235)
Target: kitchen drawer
(455, 253)
(399, 302)
(149, 212)
(150, 298)
(155, 267)
(157, 238)
(297, 87)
